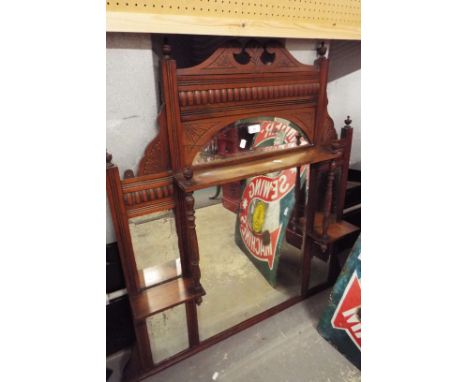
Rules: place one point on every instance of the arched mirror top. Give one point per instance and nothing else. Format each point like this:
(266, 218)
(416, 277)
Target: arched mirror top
(246, 136)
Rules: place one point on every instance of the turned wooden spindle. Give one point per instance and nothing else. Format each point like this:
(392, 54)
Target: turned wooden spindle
(328, 202)
(192, 244)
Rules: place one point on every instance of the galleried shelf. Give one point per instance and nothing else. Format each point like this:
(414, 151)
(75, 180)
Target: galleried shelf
(245, 166)
(202, 262)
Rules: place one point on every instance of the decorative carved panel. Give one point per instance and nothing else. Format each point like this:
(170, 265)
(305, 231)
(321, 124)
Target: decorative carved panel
(156, 157)
(254, 56)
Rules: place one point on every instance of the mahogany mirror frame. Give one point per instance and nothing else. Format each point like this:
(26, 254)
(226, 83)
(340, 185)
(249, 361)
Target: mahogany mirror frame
(236, 82)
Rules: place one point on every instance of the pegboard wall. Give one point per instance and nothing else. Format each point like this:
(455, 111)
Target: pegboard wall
(273, 18)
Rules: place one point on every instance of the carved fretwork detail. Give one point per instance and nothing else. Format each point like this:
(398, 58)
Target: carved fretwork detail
(329, 130)
(152, 161)
(156, 158)
(193, 132)
(253, 56)
(192, 245)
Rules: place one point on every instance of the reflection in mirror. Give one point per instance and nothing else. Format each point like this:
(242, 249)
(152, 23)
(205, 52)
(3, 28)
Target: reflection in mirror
(155, 244)
(167, 332)
(318, 271)
(251, 135)
(246, 262)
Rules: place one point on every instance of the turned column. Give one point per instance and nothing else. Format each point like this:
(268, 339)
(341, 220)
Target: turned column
(328, 203)
(192, 241)
(347, 137)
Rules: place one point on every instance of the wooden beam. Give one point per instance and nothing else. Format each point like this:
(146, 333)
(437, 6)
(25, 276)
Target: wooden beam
(145, 22)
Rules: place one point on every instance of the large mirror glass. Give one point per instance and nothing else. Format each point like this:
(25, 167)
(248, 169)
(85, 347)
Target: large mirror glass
(250, 249)
(155, 245)
(248, 261)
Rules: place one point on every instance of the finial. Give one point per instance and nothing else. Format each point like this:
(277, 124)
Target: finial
(322, 49)
(128, 174)
(166, 48)
(348, 121)
(108, 159)
(188, 173)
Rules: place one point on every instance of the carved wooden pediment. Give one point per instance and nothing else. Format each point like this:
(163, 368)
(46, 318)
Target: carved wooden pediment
(240, 79)
(252, 56)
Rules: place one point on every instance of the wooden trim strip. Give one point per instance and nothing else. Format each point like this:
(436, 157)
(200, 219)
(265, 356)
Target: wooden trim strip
(207, 81)
(241, 109)
(160, 176)
(150, 207)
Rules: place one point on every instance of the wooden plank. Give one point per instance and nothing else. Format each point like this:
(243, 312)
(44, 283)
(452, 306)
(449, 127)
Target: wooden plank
(222, 26)
(161, 297)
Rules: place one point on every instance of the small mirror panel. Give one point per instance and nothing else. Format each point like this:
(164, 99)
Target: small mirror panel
(250, 135)
(155, 245)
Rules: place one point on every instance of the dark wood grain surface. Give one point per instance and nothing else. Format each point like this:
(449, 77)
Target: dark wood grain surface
(246, 166)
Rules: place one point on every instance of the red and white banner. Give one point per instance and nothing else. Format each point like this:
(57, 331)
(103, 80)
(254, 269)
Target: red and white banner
(347, 313)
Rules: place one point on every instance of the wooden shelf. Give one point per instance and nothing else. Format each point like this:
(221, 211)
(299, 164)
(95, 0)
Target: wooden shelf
(159, 274)
(336, 230)
(231, 170)
(161, 297)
